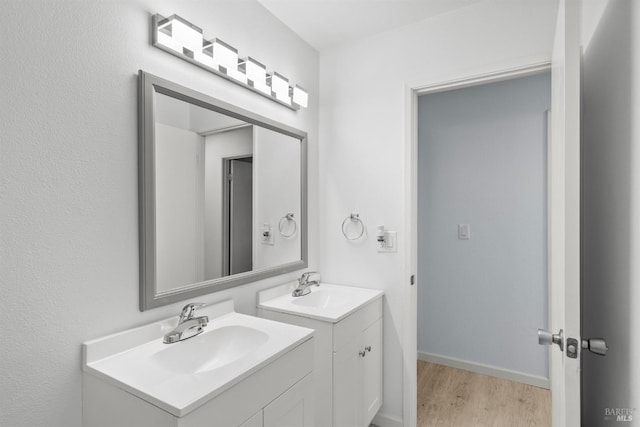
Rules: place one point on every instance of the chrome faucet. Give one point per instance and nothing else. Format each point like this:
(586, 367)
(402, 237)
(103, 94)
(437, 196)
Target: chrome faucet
(304, 283)
(188, 325)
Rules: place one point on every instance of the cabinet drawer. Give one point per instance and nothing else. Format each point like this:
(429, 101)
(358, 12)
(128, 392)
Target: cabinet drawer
(345, 330)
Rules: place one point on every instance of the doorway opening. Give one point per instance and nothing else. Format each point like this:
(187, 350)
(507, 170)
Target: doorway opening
(237, 205)
(482, 246)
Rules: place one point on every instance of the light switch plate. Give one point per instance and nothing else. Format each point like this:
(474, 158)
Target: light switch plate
(464, 231)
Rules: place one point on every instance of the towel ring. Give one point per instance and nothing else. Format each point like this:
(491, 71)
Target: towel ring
(287, 219)
(353, 217)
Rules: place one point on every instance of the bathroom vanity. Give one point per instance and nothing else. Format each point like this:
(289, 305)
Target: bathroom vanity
(348, 347)
(241, 371)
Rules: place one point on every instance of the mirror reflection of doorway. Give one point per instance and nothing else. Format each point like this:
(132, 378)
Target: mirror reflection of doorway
(237, 212)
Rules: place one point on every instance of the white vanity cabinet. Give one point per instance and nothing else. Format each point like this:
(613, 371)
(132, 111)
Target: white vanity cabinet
(242, 371)
(347, 359)
(280, 394)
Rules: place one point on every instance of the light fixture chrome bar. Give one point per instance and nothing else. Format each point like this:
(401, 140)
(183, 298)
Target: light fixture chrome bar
(182, 39)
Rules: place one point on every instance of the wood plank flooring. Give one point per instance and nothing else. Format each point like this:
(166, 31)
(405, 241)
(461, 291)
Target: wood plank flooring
(454, 397)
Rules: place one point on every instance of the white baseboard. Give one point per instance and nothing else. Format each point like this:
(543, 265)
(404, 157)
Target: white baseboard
(383, 420)
(481, 368)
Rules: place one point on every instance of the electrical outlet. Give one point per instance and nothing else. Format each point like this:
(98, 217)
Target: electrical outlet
(390, 243)
(267, 237)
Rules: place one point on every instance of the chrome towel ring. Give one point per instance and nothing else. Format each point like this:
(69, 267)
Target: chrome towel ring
(285, 225)
(352, 218)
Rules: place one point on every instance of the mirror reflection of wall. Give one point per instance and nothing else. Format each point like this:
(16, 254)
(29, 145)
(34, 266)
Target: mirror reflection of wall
(219, 181)
(179, 207)
(276, 161)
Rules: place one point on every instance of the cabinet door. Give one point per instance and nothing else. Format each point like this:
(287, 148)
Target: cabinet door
(255, 421)
(293, 408)
(371, 372)
(347, 385)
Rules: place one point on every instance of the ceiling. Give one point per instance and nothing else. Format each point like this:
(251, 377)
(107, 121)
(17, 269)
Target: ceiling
(323, 23)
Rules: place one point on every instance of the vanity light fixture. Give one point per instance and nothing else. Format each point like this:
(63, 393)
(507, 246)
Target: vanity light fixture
(256, 74)
(225, 57)
(279, 87)
(300, 96)
(181, 38)
(206, 56)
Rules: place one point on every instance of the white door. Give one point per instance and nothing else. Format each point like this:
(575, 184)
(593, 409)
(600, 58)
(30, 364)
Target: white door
(564, 221)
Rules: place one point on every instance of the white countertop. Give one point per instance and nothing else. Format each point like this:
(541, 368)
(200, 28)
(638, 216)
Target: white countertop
(327, 302)
(138, 362)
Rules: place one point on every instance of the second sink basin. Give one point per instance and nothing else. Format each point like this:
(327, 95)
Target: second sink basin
(324, 298)
(326, 302)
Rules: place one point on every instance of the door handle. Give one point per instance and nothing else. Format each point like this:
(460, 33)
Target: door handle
(547, 338)
(595, 345)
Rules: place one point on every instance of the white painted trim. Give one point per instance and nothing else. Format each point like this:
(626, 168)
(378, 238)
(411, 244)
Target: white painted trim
(409, 296)
(564, 205)
(481, 368)
(480, 79)
(383, 420)
(409, 318)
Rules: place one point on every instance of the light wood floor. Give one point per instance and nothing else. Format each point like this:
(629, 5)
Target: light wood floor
(454, 397)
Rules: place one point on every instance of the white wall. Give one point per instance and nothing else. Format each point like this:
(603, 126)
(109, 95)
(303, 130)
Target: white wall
(69, 176)
(363, 122)
(482, 162)
(611, 213)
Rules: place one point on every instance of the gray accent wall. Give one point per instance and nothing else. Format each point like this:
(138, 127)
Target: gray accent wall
(482, 162)
(610, 217)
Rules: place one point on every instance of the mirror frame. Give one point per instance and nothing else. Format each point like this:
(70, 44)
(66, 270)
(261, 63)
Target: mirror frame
(149, 84)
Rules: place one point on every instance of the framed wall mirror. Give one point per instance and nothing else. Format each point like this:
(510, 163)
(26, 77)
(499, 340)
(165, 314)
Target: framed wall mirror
(223, 194)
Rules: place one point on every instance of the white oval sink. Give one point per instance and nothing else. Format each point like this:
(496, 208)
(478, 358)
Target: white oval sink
(327, 302)
(210, 351)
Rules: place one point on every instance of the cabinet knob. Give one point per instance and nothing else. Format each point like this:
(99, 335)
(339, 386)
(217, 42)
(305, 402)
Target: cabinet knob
(362, 353)
(368, 348)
